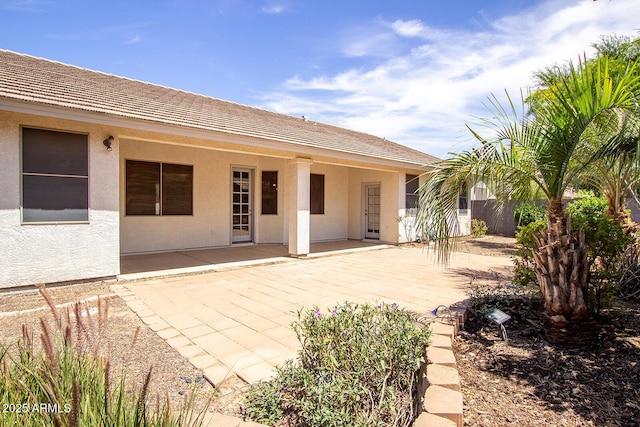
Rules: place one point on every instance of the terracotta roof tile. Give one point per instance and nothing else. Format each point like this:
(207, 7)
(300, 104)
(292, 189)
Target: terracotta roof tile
(38, 80)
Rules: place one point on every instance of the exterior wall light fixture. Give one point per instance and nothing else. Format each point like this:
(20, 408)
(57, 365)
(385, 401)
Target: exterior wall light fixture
(107, 142)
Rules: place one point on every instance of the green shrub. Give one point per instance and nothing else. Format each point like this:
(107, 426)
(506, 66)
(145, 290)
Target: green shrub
(358, 367)
(478, 228)
(530, 219)
(68, 383)
(523, 259)
(525, 214)
(589, 206)
(606, 242)
(606, 238)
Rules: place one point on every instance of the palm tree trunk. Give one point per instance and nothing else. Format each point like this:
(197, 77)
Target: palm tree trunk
(562, 270)
(615, 208)
(555, 213)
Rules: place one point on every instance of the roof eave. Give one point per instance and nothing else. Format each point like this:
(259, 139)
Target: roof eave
(31, 105)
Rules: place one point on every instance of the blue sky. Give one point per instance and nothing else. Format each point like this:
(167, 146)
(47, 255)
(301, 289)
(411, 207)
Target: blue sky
(412, 71)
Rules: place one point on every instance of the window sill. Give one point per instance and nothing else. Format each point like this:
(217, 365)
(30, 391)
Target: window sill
(55, 223)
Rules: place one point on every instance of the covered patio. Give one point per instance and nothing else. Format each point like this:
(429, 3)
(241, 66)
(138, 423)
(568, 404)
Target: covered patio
(134, 267)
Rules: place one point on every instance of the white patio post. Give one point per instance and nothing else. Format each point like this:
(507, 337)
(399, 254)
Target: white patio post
(298, 171)
(403, 222)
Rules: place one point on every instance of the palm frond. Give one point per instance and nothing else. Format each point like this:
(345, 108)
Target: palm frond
(585, 114)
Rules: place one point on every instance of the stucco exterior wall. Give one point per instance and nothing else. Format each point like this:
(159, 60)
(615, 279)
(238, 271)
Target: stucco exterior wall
(71, 252)
(45, 253)
(210, 224)
(407, 223)
(332, 225)
(389, 204)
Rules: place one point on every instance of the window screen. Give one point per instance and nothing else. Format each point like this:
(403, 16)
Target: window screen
(55, 176)
(177, 189)
(411, 191)
(463, 203)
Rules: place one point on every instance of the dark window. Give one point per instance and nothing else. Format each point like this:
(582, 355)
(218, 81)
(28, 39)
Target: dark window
(411, 191)
(158, 188)
(269, 192)
(177, 189)
(463, 203)
(317, 194)
(55, 176)
(142, 188)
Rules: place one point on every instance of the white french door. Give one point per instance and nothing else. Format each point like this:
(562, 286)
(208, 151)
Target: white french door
(241, 205)
(372, 211)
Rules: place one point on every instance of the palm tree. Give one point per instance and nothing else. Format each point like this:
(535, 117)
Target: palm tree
(617, 175)
(539, 151)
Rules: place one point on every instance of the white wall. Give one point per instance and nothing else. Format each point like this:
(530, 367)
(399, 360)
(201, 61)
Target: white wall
(44, 253)
(210, 224)
(392, 193)
(407, 224)
(333, 224)
(31, 254)
(464, 222)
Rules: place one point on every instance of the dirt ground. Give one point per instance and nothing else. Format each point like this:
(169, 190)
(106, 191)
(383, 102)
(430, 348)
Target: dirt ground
(524, 383)
(128, 342)
(490, 245)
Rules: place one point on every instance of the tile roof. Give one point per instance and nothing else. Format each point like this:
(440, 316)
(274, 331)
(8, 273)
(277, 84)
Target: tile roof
(38, 80)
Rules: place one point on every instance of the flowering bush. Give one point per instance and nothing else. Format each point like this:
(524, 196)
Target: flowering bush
(358, 367)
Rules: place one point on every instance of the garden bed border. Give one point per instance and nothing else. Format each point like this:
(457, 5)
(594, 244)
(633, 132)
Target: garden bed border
(439, 381)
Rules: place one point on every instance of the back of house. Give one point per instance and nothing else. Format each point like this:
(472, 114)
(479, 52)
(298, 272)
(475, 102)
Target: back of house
(95, 167)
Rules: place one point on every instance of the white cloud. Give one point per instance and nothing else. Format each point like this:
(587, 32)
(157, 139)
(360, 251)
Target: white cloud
(422, 95)
(273, 9)
(134, 39)
(412, 28)
(276, 7)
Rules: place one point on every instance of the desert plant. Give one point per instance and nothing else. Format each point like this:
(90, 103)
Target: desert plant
(605, 240)
(67, 382)
(358, 367)
(478, 227)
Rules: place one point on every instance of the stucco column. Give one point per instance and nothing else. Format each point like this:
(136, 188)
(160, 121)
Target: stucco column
(298, 172)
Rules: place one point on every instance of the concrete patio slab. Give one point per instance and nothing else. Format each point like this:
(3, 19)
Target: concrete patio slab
(142, 266)
(240, 319)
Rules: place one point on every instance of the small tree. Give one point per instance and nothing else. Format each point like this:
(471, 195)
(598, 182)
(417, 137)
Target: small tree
(540, 151)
